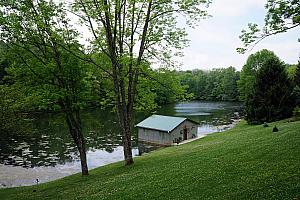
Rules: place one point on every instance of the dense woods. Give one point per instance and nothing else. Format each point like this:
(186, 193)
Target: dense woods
(215, 85)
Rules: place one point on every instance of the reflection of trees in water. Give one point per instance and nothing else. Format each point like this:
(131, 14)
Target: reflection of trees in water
(204, 112)
(41, 150)
(101, 130)
(51, 144)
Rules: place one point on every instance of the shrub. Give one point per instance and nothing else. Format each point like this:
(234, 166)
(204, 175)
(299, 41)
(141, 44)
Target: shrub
(296, 112)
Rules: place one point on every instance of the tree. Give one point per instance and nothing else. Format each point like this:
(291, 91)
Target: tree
(3, 62)
(214, 88)
(282, 15)
(291, 70)
(40, 41)
(167, 86)
(296, 81)
(229, 83)
(249, 70)
(297, 75)
(130, 32)
(190, 80)
(271, 97)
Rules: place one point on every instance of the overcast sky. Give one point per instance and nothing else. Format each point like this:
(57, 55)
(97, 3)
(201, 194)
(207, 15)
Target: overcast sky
(214, 42)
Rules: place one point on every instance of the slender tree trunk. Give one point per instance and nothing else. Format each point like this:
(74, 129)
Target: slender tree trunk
(133, 79)
(119, 90)
(126, 124)
(127, 142)
(82, 153)
(74, 124)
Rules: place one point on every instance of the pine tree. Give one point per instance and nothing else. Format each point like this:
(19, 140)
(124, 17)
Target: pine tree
(297, 75)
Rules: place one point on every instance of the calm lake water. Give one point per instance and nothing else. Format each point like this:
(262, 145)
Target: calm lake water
(49, 153)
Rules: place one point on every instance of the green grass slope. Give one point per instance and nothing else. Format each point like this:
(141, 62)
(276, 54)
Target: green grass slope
(246, 162)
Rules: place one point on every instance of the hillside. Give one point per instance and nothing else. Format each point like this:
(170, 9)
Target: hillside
(246, 162)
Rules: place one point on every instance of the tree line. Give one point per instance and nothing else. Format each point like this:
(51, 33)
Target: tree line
(218, 84)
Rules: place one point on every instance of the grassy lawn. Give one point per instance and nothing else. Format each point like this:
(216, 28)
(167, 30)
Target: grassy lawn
(246, 162)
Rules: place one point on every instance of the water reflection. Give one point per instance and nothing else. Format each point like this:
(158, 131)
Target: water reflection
(206, 113)
(51, 144)
(50, 149)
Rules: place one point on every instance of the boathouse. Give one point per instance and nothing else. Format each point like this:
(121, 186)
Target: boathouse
(166, 130)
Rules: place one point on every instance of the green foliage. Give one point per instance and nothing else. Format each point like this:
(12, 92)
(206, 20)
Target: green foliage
(291, 70)
(130, 33)
(159, 87)
(271, 97)
(296, 94)
(296, 81)
(12, 102)
(246, 162)
(195, 80)
(168, 88)
(3, 62)
(48, 94)
(12, 122)
(164, 38)
(215, 85)
(296, 112)
(38, 43)
(248, 73)
(281, 16)
(297, 75)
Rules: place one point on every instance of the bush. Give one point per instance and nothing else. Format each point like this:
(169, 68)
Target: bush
(296, 112)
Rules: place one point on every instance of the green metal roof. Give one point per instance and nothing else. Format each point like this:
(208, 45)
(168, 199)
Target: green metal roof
(161, 122)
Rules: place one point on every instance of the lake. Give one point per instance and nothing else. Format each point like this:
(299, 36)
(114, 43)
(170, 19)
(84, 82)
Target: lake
(49, 152)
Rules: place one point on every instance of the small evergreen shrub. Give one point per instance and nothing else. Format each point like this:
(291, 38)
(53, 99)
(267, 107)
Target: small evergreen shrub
(296, 112)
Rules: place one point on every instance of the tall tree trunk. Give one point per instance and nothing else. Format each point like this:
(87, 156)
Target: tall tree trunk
(133, 79)
(74, 124)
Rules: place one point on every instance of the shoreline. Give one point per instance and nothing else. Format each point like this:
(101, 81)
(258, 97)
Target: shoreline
(16, 176)
(222, 129)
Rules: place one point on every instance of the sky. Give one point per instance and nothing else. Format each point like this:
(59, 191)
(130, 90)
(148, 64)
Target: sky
(214, 41)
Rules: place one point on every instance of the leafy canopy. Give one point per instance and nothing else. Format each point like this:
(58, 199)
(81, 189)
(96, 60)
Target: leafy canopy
(282, 15)
(249, 71)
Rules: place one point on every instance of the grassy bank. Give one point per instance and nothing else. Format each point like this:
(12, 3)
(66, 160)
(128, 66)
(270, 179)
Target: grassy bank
(246, 162)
